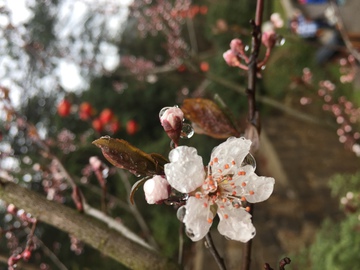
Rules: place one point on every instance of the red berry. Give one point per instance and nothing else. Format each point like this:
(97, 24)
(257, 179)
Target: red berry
(114, 126)
(131, 127)
(106, 115)
(85, 111)
(204, 66)
(64, 108)
(97, 125)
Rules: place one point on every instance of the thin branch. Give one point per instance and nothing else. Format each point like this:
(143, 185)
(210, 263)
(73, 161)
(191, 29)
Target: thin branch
(210, 245)
(253, 117)
(134, 210)
(342, 31)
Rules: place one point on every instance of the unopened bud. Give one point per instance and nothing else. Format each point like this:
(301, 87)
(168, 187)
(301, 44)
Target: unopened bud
(237, 46)
(156, 189)
(269, 39)
(231, 59)
(172, 122)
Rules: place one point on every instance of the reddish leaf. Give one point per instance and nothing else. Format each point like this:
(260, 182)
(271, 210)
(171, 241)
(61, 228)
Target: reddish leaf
(123, 155)
(208, 118)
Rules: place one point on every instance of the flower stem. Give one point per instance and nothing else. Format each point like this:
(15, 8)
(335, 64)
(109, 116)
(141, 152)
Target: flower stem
(210, 245)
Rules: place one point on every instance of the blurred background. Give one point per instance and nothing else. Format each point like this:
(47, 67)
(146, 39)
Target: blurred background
(72, 71)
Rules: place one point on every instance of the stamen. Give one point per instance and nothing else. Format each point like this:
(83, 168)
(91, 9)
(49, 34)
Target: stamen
(226, 166)
(247, 208)
(197, 195)
(205, 204)
(251, 192)
(210, 220)
(243, 199)
(216, 159)
(233, 162)
(226, 216)
(243, 184)
(241, 173)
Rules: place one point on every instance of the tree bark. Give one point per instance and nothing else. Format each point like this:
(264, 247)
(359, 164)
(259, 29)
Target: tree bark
(85, 228)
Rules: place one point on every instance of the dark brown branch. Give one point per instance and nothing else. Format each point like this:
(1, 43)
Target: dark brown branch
(87, 229)
(210, 245)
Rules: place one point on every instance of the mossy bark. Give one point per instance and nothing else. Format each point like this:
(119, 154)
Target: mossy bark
(89, 230)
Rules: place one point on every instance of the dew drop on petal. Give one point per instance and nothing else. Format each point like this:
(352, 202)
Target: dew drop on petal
(187, 131)
(189, 233)
(249, 160)
(162, 111)
(180, 214)
(172, 145)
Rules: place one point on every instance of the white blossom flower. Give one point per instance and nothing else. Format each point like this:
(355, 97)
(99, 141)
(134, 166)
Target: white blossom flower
(222, 189)
(156, 189)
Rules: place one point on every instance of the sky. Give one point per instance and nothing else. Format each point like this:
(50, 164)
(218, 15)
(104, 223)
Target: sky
(71, 17)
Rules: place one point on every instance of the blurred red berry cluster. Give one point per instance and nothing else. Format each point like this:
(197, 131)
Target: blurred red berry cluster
(105, 121)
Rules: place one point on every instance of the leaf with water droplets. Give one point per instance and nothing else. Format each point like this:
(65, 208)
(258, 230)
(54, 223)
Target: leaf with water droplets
(208, 118)
(123, 155)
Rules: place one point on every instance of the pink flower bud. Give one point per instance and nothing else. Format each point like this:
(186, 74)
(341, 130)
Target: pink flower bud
(276, 19)
(268, 39)
(95, 163)
(231, 59)
(172, 122)
(156, 189)
(237, 46)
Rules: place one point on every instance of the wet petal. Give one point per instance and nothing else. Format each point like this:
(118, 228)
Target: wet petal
(197, 218)
(232, 150)
(259, 188)
(185, 172)
(235, 223)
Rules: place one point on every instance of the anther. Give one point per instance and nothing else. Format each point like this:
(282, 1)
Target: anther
(241, 173)
(209, 220)
(226, 166)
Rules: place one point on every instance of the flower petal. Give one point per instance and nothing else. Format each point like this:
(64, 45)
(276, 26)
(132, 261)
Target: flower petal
(196, 218)
(185, 172)
(259, 187)
(235, 223)
(232, 150)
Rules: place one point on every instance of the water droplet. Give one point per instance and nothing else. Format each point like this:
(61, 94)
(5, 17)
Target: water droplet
(162, 111)
(280, 40)
(249, 160)
(172, 145)
(107, 137)
(189, 233)
(180, 214)
(187, 131)
(263, 67)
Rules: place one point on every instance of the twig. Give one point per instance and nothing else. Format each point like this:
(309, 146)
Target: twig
(124, 178)
(253, 117)
(210, 245)
(342, 31)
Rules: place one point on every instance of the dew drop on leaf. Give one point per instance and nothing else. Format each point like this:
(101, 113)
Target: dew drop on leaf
(187, 131)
